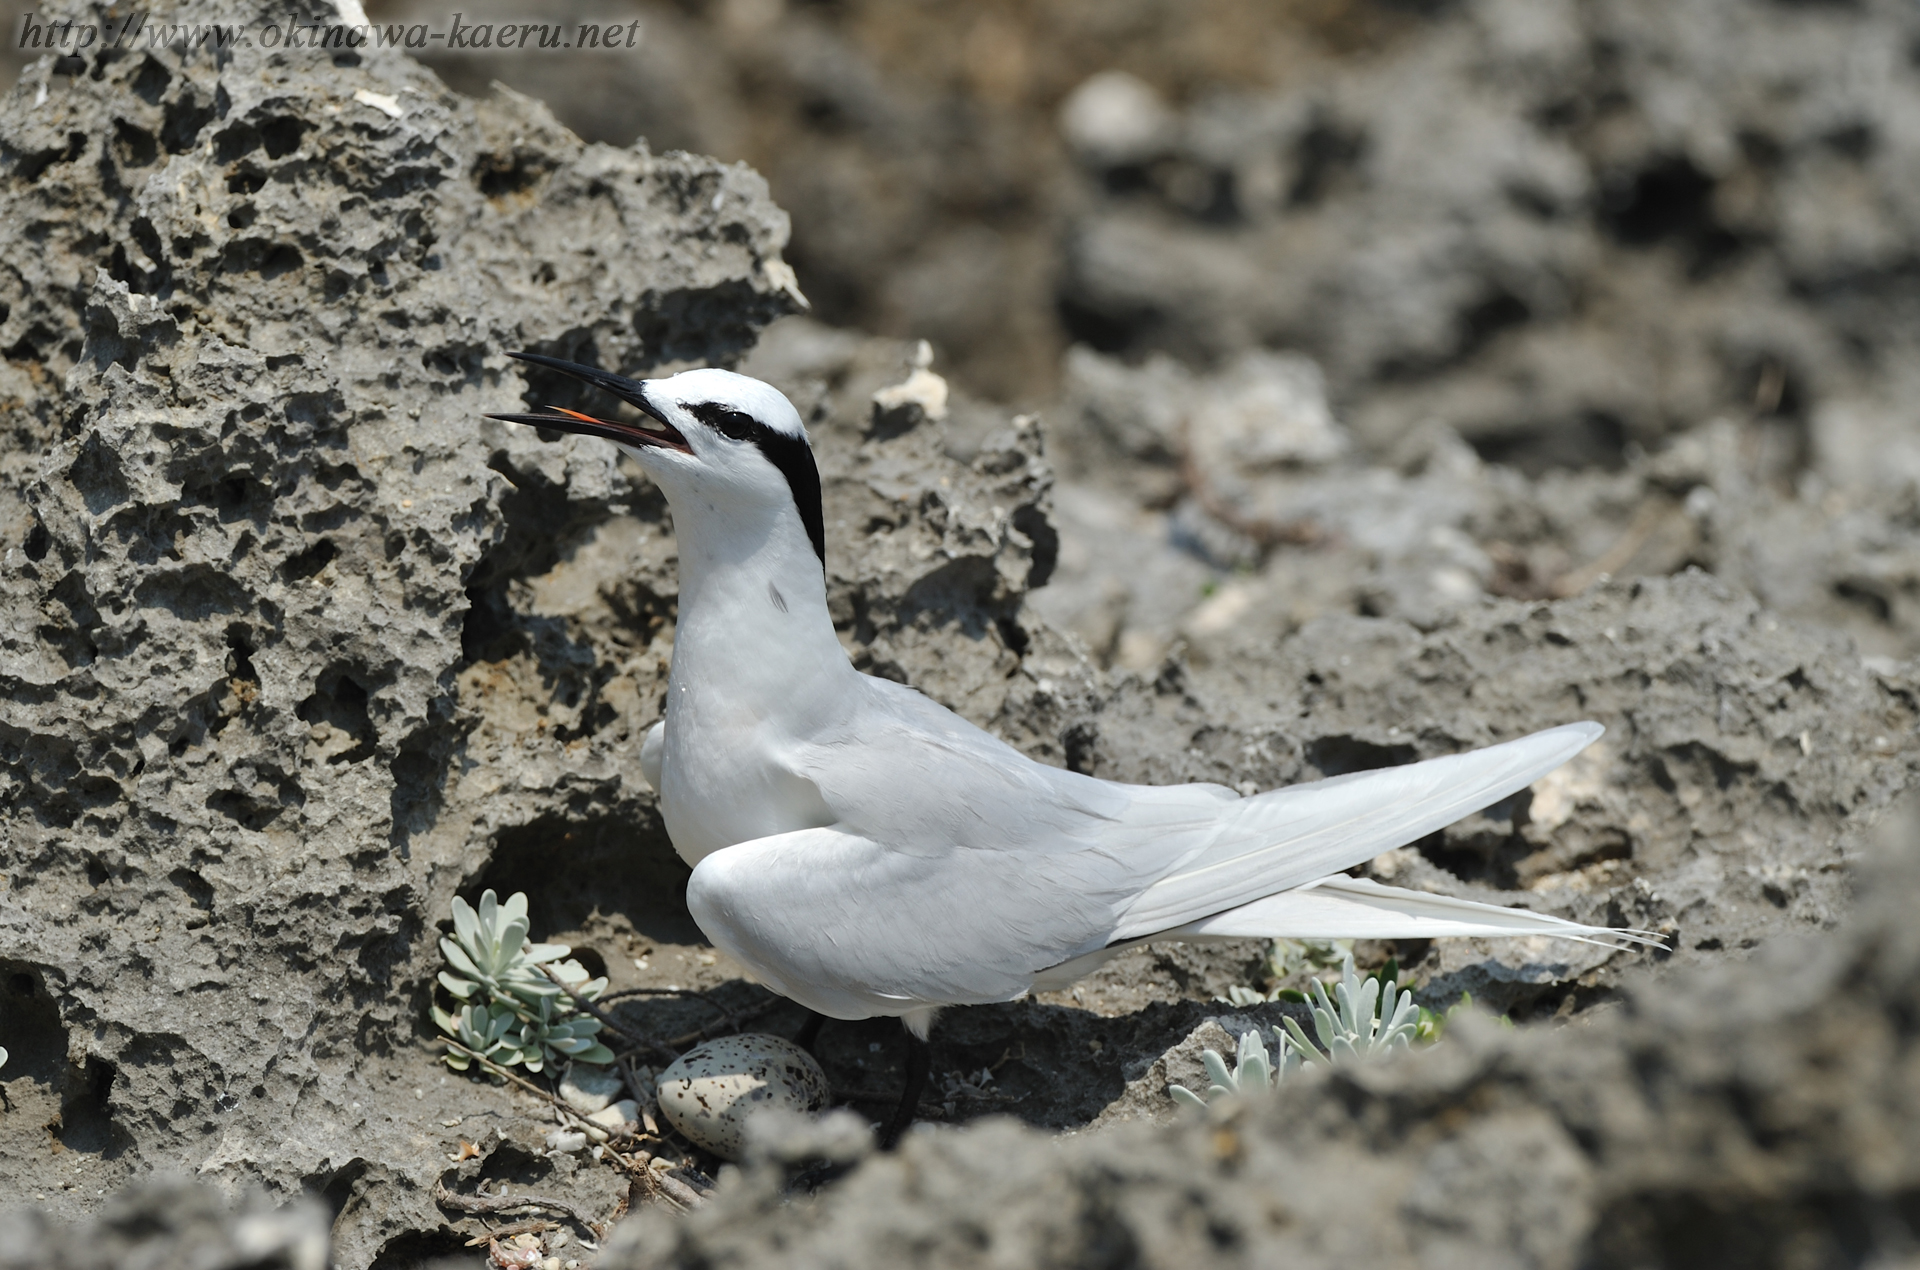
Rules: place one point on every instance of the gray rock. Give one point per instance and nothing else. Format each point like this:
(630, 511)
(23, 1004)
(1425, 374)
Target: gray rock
(1510, 218)
(259, 546)
(171, 1224)
(1750, 1114)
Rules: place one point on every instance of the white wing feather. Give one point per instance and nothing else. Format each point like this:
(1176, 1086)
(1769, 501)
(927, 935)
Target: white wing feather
(959, 871)
(1290, 837)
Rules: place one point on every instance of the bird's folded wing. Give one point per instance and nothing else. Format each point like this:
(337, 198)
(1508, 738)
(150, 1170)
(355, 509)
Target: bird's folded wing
(853, 928)
(1286, 838)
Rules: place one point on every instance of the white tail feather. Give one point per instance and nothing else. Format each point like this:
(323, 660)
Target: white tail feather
(1342, 907)
(1354, 908)
(1286, 838)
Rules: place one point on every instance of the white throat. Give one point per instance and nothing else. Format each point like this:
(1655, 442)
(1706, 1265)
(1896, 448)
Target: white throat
(757, 668)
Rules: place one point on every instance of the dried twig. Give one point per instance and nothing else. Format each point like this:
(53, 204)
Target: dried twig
(506, 1075)
(697, 993)
(1645, 521)
(660, 1181)
(505, 1203)
(536, 1226)
(678, 1191)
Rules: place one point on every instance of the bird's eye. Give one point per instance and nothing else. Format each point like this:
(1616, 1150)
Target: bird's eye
(728, 422)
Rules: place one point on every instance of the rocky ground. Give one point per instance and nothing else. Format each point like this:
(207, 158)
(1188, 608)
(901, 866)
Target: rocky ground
(1598, 414)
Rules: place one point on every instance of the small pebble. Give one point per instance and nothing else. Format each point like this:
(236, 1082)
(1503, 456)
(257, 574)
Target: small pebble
(709, 1091)
(589, 1089)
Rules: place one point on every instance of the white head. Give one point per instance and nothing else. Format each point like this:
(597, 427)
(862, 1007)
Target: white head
(727, 438)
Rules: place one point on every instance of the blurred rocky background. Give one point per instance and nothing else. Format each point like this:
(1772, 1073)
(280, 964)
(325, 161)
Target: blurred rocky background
(1307, 387)
(1565, 233)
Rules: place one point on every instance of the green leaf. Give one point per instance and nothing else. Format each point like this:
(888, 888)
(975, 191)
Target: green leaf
(465, 924)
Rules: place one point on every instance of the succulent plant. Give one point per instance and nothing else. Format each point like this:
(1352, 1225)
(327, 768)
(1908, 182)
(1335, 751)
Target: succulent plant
(1254, 1074)
(1354, 1022)
(490, 951)
(512, 1013)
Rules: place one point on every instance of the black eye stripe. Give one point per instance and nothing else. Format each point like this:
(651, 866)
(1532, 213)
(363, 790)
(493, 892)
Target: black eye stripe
(737, 424)
(790, 454)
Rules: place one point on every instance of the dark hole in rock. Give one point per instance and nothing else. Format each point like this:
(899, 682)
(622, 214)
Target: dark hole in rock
(1013, 635)
(419, 1248)
(339, 701)
(310, 561)
(1324, 159)
(256, 255)
(246, 181)
(1666, 199)
(335, 1188)
(1123, 179)
(198, 890)
(501, 175)
(71, 1100)
(570, 871)
(123, 271)
(1594, 440)
(282, 259)
(86, 1114)
(1696, 1226)
(1340, 755)
(38, 540)
(1080, 743)
(591, 961)
(235, 141)
(148, 240)
(1100, 329)
(151, 82)
(136, 147)
(1033, 522)
(1499, 311)
(240, 655)
(419, 770)
(282, 136)
(1866, 597)
(180, 126)
(243, 809)
(241, 217)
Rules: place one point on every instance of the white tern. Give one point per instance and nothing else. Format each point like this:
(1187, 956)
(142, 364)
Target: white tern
(865, 851)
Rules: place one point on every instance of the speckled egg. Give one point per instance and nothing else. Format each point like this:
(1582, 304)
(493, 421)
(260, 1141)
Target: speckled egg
(709, 1091)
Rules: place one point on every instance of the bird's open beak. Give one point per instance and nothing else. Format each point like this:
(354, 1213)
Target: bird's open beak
(631, 391)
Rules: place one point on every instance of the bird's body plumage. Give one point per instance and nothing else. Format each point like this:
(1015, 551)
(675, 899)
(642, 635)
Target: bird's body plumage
(866, 851)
